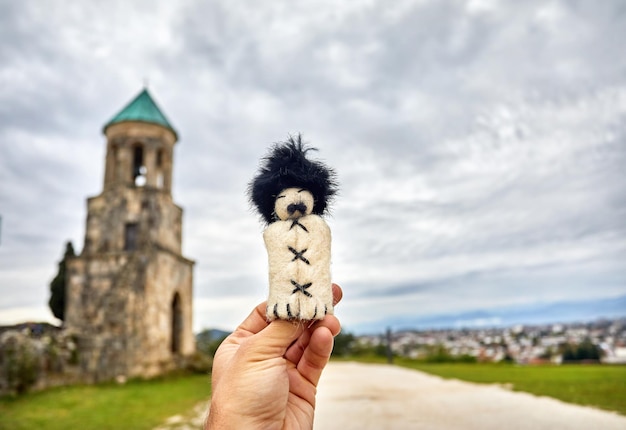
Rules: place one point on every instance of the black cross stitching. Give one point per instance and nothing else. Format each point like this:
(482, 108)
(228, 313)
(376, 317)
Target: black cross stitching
(301, 288)
(298, 255)
(276, 310)
(296, 222)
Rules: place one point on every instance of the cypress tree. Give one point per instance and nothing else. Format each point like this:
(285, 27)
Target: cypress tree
(57, 286)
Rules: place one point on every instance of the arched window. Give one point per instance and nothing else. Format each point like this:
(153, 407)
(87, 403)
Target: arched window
(139, 168)
(177, 324)
(131, 236)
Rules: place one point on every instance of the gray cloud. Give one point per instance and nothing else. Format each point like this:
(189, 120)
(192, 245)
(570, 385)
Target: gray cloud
(480, 145)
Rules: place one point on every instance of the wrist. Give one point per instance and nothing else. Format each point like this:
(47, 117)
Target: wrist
(223, 417)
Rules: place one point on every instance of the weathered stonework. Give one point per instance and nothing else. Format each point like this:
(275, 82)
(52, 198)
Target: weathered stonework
(35, 356)
(129, 293)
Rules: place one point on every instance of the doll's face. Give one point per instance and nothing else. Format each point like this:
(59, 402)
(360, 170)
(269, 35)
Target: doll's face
(293, 203)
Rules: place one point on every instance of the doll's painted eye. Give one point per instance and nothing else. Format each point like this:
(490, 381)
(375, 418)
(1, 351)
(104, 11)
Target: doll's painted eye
(300, 190)
(280, 197)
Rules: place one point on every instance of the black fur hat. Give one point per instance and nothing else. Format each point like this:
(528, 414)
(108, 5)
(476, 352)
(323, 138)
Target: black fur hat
(286, 166)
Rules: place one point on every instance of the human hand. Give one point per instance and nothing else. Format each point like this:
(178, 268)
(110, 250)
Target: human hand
(265, 375)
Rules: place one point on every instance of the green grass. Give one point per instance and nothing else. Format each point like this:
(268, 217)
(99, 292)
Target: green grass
(135, 405)
(146, 404)
(601, 386)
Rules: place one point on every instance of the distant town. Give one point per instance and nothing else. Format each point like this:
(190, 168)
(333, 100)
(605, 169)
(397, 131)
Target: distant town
(599, 341)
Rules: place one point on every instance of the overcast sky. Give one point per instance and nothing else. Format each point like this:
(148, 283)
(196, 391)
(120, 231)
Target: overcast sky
(480, 145)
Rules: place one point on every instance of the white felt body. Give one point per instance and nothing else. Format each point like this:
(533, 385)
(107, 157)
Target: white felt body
(289, 301)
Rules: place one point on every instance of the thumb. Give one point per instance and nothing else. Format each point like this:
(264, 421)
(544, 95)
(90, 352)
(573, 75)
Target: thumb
(273, 340)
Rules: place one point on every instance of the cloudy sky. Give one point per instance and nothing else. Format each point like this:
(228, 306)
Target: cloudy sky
(480, 145)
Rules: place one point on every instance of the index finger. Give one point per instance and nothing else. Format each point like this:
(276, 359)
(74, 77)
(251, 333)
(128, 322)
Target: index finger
(255, 322)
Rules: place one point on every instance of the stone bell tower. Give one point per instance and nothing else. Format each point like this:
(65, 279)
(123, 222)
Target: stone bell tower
(129, 293)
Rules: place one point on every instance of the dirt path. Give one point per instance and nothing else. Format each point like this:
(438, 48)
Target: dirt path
(365, 396)
(369, 396)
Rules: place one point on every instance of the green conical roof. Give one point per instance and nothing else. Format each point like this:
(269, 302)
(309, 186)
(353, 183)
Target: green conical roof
(141, 108)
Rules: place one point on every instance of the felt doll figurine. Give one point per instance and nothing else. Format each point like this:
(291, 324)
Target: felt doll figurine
(291, 192)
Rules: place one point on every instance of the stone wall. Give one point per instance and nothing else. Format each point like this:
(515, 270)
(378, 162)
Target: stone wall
(123, 308)
(160, 220)
(34, 359)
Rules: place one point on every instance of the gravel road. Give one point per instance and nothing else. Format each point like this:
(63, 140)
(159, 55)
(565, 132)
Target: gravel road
(366, 396)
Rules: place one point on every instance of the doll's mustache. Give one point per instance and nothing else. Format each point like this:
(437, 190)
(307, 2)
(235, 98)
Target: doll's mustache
(296, 207)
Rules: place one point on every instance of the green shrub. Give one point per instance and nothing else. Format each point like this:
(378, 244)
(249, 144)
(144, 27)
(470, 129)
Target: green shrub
(200, 362)
(19, 363)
